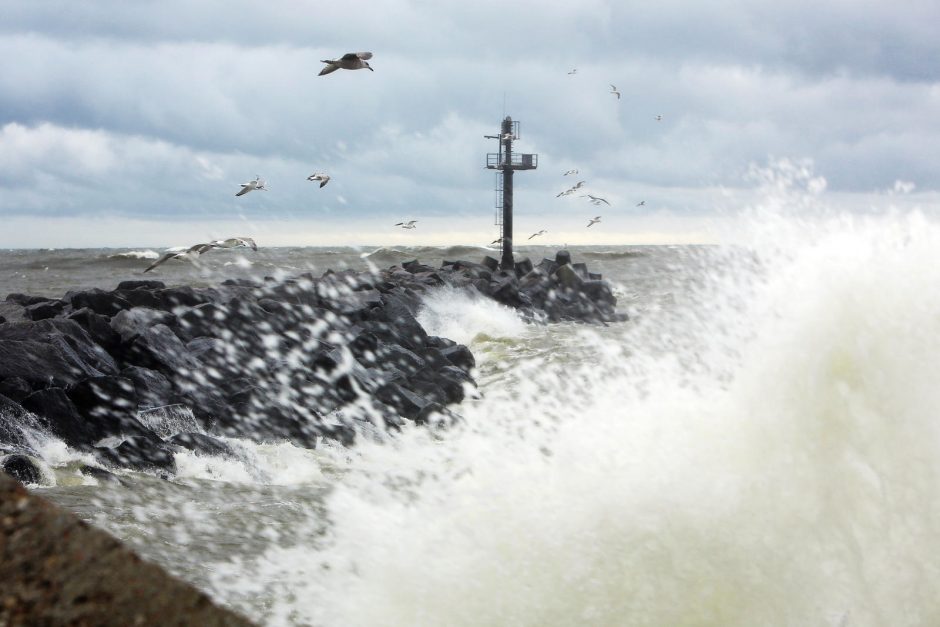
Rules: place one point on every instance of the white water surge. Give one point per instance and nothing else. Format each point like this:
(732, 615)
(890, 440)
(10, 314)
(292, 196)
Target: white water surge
(768, 457)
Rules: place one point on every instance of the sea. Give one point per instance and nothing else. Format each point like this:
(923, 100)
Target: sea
(757, 445)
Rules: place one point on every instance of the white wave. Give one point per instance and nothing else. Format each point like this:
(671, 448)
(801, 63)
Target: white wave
(465, 317)
(766, 456)
(135, 254)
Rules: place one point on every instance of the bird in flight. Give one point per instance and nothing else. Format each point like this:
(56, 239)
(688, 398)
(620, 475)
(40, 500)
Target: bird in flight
(349, 61)
(407, 225)
(658, 118)
(595, 200)
(235, 242)
(613, 90)
(498, 240)
(641, 203)
(594, 220)
(574, 71)
(256, 184)
(570, 172)
(317, 176)
(542, 232)
(570, 190)
(192, 253)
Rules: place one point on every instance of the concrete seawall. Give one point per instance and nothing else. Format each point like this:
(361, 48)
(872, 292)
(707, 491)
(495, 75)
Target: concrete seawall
(57, 570)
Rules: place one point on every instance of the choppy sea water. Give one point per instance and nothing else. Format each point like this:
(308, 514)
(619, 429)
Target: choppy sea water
(758, 445)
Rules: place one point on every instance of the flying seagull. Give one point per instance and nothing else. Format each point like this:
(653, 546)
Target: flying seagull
(594, 220)
(498, 240)
(596, 200)
(256, 183)
(192, 253)
(234, 242)
(542, 232)
(574, 71)
(407, 225)
(317, 176)
(613, 90)
(349, 61)
(570, 172)
(641, 203)
(571, 189)
(658, 118)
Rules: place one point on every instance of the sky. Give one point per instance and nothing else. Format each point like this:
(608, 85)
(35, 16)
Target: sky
(133, 122)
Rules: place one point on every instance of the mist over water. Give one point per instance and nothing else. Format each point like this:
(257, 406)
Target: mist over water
(778, 466)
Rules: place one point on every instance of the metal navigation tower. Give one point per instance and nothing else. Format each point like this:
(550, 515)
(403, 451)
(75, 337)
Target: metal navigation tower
(507, 163)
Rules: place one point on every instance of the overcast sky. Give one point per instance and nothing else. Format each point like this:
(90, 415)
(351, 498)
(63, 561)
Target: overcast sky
(133, 122)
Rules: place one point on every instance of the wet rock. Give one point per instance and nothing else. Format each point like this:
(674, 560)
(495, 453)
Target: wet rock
(108, 406)
(45, 310)
(152, 388)
(523, 267)
(98, 328)
(99, 301)
(62, 417)
(202, 443)
(140, 298)
(25, 300)
(99, 474)
(11, 312)
(491, 263)
(460, 356)
(70, 341)
(41, 364)
(15, 425)
(21, 468)
(157, 347)
(15, 388)
(141, 285)
(129, 324)
(139, 453)
(562, 257)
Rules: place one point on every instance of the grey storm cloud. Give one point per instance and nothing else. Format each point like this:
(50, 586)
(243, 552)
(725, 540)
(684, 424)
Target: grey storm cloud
(163, 108)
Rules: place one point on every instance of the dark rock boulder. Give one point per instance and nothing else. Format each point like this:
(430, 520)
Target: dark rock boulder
(129, 324)
(108, 405)
(99, 301)
(157, 347)
(152, 388)
(69, 340)
(40, 363)
(202, 443)
(25, 300)
(141, 285)
(61, 416)
(460, 356)
(45, 310)
(139, 453)
(15, 388)
(21, 468)
(15, 425)
(98, 328)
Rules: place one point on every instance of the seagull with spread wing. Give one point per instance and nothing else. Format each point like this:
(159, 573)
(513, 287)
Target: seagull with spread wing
(594, 220)
(349, 61)
(407, 225)
(613, 90)
(193, 252)
(596, 200)
(542, 232)
(256, 184)
(319, 176)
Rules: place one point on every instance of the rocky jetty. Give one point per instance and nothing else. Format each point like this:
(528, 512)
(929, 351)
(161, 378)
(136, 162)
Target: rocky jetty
(134, 374)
